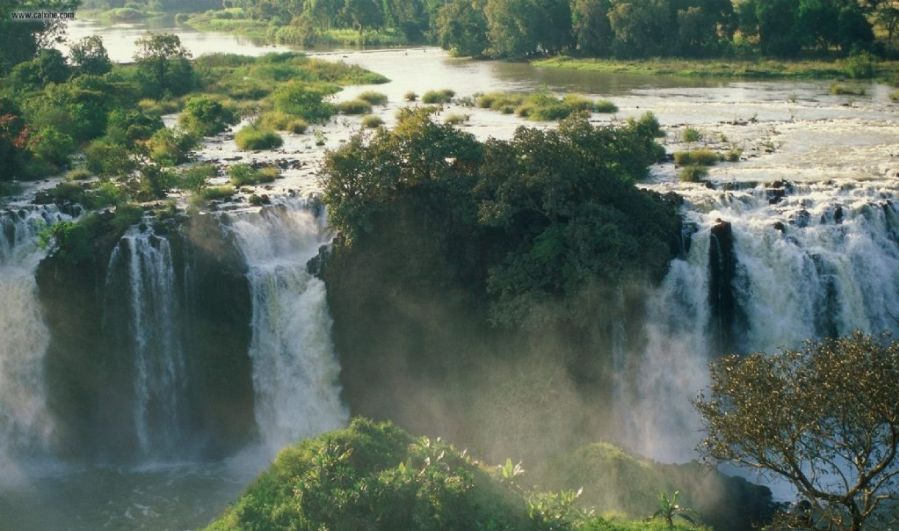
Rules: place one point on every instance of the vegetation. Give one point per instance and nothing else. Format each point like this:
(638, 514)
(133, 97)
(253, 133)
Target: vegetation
(372, 122)
(542, 244)
(377, 476)
(255, 138)
(244, 174)
(696, 157)
(354, 107)
(372, 97)
(456, 118)
(542, 106)
(692, 173)
(438, 96)
(281, 121)
(833, 435)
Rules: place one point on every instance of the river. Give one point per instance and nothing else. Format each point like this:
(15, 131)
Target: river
(819, 271)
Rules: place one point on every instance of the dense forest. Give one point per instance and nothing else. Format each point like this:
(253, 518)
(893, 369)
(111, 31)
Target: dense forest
(526, 28)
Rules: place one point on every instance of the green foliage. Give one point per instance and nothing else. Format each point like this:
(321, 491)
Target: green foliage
(217, 193)
(559, 207)
(838, 89)
(354, 107)
(304, 100)
(89, 56)
(456, 118)
(691, 134)
(692, 173)
(194, 177)
(281, 121)
(837, 417)
(410, 96)
(75, 241)
(372, 97)
(438, 96)
(127, 127)
(107, 159)
(462, 28)
(372, 122)
(696, 157)
(163, 66)
(170, 147)
(376, 476)
(862, 65)
(244, 174)
(206, 116)
(52, 147)
(669, 509)
(542, 106)
(254, 138)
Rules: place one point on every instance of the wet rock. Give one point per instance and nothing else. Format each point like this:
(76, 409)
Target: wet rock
(779, 225)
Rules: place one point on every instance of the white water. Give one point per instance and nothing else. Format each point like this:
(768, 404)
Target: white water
(825, 274)
(295, 370)
(153, 330)
(25, 426)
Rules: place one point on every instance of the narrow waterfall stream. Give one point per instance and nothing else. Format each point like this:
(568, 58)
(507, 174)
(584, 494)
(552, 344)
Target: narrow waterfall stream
(295, 370)
(141, 269)
(25, 426)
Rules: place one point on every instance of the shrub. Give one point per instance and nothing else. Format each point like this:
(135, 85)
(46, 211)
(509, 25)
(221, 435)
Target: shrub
(691, 134)
(79, 174)
(304, 100)
(375, 98)
(354, 107)
(456, 119)
(213, 193)
(194, 178)
(894, 96)
(372, 122)
(108, 160)
(604, 106)
(246, 175)
(838, 89)
(438, 96)
(733, 154)
(206, 116)
(696, 157)
(254, 138)
(410, 96)
(170, 147)
(692, 174)
(861, 65)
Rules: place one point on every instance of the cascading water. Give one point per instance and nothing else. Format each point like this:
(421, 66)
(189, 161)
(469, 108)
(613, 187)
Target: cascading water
(142, 262)
(24, 423)
(295, 371)
(810, 261)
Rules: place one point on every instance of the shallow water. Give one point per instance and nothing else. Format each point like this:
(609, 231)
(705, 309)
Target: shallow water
(796, 131)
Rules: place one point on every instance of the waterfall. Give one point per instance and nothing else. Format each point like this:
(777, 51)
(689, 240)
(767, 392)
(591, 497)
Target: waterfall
(142, 263)
(295, 371)
(809, 261)
(24, 423)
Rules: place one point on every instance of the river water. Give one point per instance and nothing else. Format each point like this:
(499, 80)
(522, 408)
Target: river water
(842, 152)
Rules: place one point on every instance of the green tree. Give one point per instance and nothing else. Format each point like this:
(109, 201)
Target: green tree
(779, 32)
(642, 27)
(206, 116)
(590, 25)
(697, 31)
(163, 65)
(834, 433)
(363, 14)
(89, 56)
(20, 40)
(518, 28)
(462, 28)
(14, 137)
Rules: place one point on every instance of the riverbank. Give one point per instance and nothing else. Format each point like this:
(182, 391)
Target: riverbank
(855, 68)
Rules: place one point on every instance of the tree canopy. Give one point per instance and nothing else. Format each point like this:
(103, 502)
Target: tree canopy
(824, 417)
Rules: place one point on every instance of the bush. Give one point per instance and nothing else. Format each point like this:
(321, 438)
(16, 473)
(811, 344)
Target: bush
(691, 134)
(692, 174)
(604, 106)
(456, 118)
(438, 96)
(217, 193)
(375, 98)
(372, 122)
(838, 89)
(861, 65)
(194, 178)
(696, 157)
(254, 138)
(244, 175)
(206, 116)
(354, 107)
(108, 160)
(410, 96)
(281, 121)
(304, 100)
(170, 147)
(79, 174)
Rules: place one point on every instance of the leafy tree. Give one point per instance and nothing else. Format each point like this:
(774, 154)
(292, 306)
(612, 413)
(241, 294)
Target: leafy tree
(834, 433)
(462, 28)
(363, 13)
(125, 127)
(641, 27)
(590, 25)
(14, 136)
(206, 116)
(20, 40)
(106, 159)
(669, 509)
(779, 32)
(163, 65)
(89, 56)
(697, 31)
(48, 67)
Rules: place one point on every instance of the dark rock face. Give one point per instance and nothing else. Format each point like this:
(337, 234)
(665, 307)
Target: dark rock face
(90, 375)
(722, 275)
